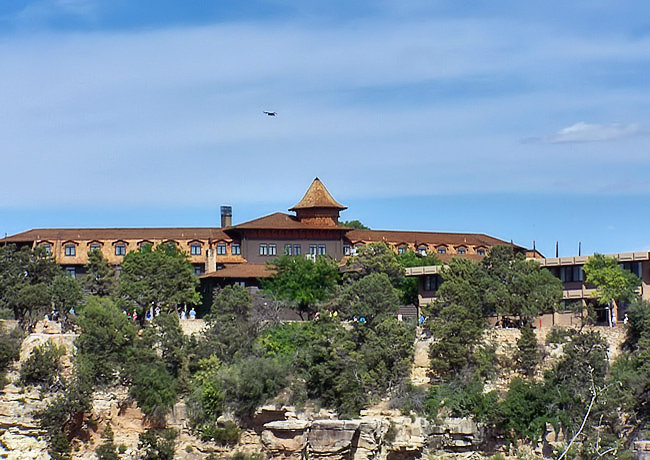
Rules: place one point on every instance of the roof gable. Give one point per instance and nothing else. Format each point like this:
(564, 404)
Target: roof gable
(317, 196)
(281, 221)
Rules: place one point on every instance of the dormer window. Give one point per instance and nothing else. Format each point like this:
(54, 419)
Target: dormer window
(195, 249)
(94, 247)
(221, 249)
(235, 249)
(70, 250)
(48, 248)
(401, 249)
(144, 244)
(120, 249)
(422, 250)
(462, 251)
(442, 250)
(480, 252)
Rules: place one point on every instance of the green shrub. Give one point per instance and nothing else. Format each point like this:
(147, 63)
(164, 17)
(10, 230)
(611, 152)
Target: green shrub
(243, 456)
(391, 433)
(154, 389)
(525, 411)
(462, 399)
(43, 367)
(158, 444)
(559, 335)
(226, 435)
(206, 400)
(64, 415)
(252, 381)
(409, 398)
(283, 339)
(107, 336)
(9, 351)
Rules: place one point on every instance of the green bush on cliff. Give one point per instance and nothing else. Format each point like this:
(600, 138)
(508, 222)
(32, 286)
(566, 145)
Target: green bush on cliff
(43, 367)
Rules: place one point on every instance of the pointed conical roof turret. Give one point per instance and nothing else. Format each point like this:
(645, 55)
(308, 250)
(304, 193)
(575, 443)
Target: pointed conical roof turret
(317, 196)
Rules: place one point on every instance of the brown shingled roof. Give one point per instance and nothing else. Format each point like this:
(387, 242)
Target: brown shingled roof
(430, 238)
(282, 221)
(39, 234)
(317, 196)
(240, 271)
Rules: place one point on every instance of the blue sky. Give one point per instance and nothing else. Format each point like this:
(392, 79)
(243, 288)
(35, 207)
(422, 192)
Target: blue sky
(524, 120)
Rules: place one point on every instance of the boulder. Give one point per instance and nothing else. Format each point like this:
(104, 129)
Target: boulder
(332, 438)
(286, 438)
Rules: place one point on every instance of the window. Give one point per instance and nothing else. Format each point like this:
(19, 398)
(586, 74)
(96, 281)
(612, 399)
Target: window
(432, 282)
(480, 252)
(71, 272)
(287, 250)
(401, 250)
(48, 248)
(312, 249)
(263, 249)
(70, 250)
(240, 283)
(297, 249)
(273, 251)
(322, 250)
(634, 267)
(221, 249)
(198, 270)
(236, 249)
(442, 250)
(346, 249)
(422, 250)
(571, 274)
(462, 250)
(195, 249)
(120, 249)
(95, 247)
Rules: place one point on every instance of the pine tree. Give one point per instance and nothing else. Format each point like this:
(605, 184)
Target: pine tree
(107, 450)
(100, 278)
(527, 354)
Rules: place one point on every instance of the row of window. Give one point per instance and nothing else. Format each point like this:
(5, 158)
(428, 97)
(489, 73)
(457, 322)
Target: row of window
(574, 273)
(71, 249)
(120, 249)
(271, 249)
(221, 249)
(72, 271)
(421, 250)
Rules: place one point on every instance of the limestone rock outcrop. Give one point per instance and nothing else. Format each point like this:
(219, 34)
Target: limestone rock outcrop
(373, 436)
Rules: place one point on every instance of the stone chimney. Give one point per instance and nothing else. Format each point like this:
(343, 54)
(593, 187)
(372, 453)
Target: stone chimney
(226, 216)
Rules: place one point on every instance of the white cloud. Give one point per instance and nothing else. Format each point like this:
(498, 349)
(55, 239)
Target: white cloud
(592, 132)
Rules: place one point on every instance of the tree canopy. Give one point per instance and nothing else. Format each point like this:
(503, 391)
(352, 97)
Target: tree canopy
(100, 277)
(356, 224)
(504, 283)
(158, 277)
(377, 257)
(25, 275)
(613, 283)
(302, 281)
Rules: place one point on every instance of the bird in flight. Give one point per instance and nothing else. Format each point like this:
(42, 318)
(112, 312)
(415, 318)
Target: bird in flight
(270, 114)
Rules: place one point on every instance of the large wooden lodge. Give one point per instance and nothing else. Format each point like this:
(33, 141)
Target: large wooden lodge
(238, 253)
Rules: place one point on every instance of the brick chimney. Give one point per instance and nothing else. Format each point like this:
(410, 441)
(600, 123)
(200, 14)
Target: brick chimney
(226, 216)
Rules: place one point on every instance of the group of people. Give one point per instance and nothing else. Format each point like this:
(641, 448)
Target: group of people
(54, 315)
(156, 312)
